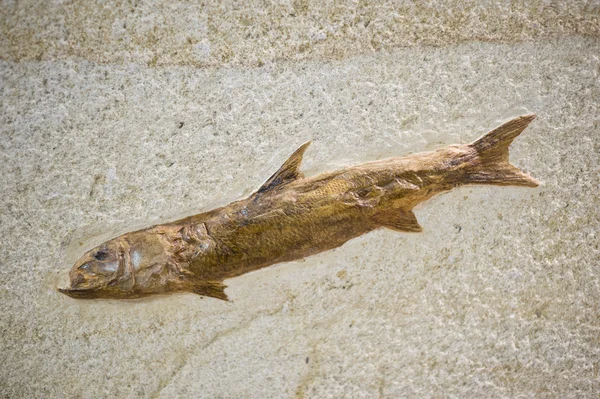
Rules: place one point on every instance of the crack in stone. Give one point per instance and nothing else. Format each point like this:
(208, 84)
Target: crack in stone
(218, 336)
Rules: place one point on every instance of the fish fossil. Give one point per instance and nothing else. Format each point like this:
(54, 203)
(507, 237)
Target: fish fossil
(290, 217)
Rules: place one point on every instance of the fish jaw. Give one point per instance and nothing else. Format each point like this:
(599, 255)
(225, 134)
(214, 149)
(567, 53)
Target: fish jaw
(86, 287)
(79, 293)
(92, 293)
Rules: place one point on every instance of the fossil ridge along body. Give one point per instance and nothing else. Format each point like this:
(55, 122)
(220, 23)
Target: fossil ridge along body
(290, 217)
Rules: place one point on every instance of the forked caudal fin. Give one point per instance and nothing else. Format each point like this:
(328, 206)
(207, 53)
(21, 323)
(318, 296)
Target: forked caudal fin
(492, 166)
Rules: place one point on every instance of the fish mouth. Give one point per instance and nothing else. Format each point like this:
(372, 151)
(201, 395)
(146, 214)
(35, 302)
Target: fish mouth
(79, 292)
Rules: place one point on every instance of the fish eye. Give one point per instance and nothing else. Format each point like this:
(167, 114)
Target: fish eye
(101, 255)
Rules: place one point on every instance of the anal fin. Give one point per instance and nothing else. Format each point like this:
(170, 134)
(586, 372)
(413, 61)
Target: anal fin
(213, 289)
(399, 220)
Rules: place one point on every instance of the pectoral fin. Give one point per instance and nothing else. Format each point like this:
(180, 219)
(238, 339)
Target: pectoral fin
(214, 289)
(399, 220)
(289, 171)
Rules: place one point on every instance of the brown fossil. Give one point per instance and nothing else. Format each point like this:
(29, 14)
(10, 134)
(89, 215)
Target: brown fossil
(290, 217)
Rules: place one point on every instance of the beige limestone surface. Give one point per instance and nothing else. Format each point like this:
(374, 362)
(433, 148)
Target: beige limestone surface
(116, 115)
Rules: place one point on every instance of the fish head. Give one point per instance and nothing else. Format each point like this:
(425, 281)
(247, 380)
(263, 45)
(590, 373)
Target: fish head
(129, 266)
(96, 272)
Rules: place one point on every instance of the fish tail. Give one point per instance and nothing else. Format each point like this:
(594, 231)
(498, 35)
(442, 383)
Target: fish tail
(491, 165)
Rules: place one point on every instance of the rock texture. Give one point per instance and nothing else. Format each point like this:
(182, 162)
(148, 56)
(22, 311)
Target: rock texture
(112, 118)
(252, 33)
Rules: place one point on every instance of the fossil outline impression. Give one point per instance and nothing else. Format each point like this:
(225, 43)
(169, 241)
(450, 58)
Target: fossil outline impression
(290, 217)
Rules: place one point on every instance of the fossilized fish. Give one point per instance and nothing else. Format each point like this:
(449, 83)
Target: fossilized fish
(290, 217)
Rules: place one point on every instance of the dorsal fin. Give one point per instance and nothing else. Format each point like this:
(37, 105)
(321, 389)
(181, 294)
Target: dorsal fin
(289, 171)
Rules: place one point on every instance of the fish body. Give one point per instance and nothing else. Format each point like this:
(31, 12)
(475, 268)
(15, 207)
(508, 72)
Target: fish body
(290, 217)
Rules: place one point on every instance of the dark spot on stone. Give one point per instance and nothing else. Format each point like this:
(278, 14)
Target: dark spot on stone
(181, 124)
(307, 360)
